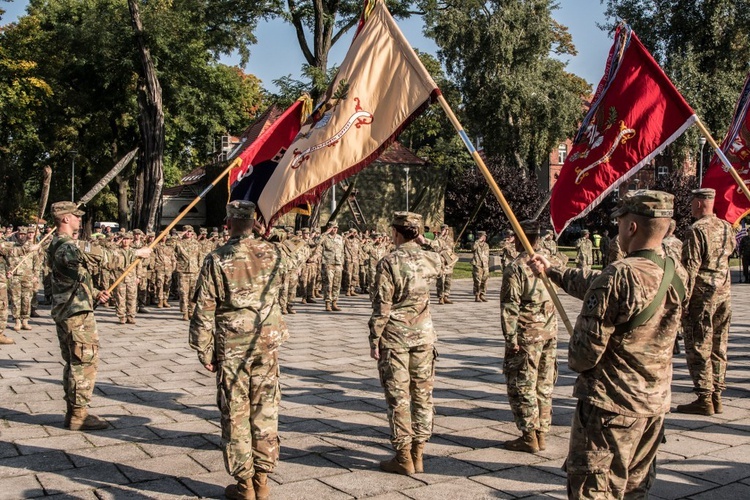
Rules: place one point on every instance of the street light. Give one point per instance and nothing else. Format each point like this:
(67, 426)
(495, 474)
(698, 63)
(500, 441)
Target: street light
(73, 154)
(702, 141)
(406, 169)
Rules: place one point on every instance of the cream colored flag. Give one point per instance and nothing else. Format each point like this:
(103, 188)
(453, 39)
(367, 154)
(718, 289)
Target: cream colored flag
(380, 88)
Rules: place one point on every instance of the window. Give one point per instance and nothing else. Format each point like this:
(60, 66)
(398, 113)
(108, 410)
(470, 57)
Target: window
(562, 153)
(662, 170)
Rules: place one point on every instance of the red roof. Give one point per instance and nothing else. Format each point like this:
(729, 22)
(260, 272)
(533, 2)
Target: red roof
(398, 154)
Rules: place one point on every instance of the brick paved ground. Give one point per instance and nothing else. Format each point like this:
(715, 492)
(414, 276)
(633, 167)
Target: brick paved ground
(164, 435)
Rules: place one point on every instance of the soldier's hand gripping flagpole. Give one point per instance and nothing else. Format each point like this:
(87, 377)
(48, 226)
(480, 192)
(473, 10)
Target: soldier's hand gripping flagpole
(730, 168)
(506, 208)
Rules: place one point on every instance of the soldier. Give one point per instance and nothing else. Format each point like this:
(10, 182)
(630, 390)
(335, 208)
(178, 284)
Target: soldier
(402, 338)
(7, 250)
(605, 248)
(508, 248)
(615, 252)
(530, 363)
(127, 291)
(237, 329)
(73, 296)
(584, 257)
(705, 255)
(164, 265)
(187, 255)
(672, 245)
(22, 281)
(142, 270)
(352, 247)
(443, 244)
(622, 349)
(332, 246)
(744, 252)
(311, 268)
(480, 266)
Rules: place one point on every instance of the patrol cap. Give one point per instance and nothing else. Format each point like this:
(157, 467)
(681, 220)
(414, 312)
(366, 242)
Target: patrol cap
(137, 232)
(151, 233)
(187, 228)
(214, 230)
(203, 230)
(586, 231)
(31, 230)
(407, 219)
(353, 230)
(646, 202)
(21, 230)
(508, 233)
(530, 227)
(127, 236)
(305, 230)
(64, 208)
(704, 193)
(241, 209)
(481, 233)
(333, 223)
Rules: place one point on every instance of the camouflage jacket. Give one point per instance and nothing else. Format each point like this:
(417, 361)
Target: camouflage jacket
(29, 266)
(481, 257)
(673, 247)
(187, 255)
(584, 254)
(527, 311)
(72, 289)
(8, 253)
(237, 301)
(625, 372)
(401, 304)
(163, 257)
(615, 252)
(705, 255)
(332, 246)
(351, 249)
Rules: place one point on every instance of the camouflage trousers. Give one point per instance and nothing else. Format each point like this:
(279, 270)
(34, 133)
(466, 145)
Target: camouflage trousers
(480, 276)
(706, 332)
(331, 282)
(309, 275)
(611, 455)
(21, 290)
(126, 295)
(283, 290)
(248, 397)
(351, 276)
(407, 377)
(291, 292)
(444, 283)
(530, 374)
(79, 346)
(162, 286)
(143, 288)
(3, 306)
(364, 277)
(187, 290)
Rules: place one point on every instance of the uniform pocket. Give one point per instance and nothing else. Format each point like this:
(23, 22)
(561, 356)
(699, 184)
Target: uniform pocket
(384, 366)
(85, 353)
(588, 474)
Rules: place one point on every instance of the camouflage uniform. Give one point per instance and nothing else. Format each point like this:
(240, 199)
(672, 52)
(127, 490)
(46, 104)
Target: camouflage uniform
(187, 255)
(744, 252)
(705, 255)
(401, 328)
(164, 265)
(605, 244)
(624, 365)
(7, 250)
(22, 283)
(238, 328)
(352, 247)
(480, 267)
(311, 270)
(530, 331)
(615, 252)
(584, 256)
(127, 291)
(443, 244)
(377, 252)
(332, 247)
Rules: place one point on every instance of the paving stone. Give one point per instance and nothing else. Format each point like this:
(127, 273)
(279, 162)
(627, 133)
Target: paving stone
(119, 453)
(462, 489)
(46, 461)
(93, 477)
(13, 488)
(672, 485)
(367, 482)
(159, 489)
(306, 467)
(310, 489)
(522, 481)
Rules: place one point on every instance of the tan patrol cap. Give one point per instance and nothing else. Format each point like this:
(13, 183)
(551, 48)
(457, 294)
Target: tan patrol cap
(64, 208)
(241, 209)
(127, 236)
(407, 219)
(704, 193)
(646, 202)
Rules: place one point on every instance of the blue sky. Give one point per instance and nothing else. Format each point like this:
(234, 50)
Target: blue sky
(277, 54)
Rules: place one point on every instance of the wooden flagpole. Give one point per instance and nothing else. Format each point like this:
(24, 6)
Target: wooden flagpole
(506, 208)
(723, 158)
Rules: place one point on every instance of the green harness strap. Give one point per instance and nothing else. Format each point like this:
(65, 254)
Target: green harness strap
(669, 279)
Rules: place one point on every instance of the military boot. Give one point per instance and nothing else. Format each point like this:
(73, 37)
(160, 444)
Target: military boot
(17, 326)
(417, 452)
(441, 301)
(34, 313)
(160, 305)
(541, 440)
(166, 304)
(4, 340)
(482, 297)
(334, 306)
(527, 443)
(185, 317)
(716, 400)
(290, 309)
(446, 300)
(328, 306)
(476, 297)
(240, 491)
(701, 406)
(25, 324)
(260, 486)
(81, 420)
(402, 463)
(310, 300)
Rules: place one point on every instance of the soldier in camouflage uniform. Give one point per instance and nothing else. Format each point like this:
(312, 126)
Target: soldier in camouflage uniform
(584, 249)
(480, 266)
(237, 329)
(508, 249)
(352, 247)
(443, 244)
(73, 297)
(21, 284)
(530, 331)
(705, 255)
(187, 255)
(332, 247)
(622, 349)
(604, 244)
(311, 268)
(164, 265)
(142, 271)
(127, 291)
(402, 340)
(7, 250)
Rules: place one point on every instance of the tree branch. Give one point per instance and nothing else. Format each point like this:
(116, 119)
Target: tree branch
(296, 20)
(343, 30)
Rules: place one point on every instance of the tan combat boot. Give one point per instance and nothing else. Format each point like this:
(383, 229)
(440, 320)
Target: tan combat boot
(417, 452)
(541, 440)
(476, 297)
(160, 305)
(4, 340)
(441, 301)
(185, 317)
(240, 491)
(260, 486)
(701, 406)
(402, 463)
(290, 309)
(328, 306)
(25, 324)
(166, 304)
(17, 326)
(482, 297)
(527, 443)
(334, 306)
(81, 420)
(716, 400)
(446, 300)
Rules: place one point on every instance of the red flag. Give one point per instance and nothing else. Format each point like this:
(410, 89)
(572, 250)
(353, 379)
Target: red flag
(636, 112)
(731, 203)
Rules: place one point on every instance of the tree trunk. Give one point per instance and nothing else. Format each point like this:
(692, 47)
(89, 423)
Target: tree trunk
(150, 173)
(122, 200)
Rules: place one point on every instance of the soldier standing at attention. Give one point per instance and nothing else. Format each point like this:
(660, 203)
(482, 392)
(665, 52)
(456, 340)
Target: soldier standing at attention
(332, 248)
(22, 281)
(530, 363)
(584, 248)
(127, 291)
(705, 255)
(187, 253)
(744, 252)
(443, 244)
(8, 249)
(402, 338)
(480, 266)
(237, 329)
(622, 349)
(73, 297)
(164, 263)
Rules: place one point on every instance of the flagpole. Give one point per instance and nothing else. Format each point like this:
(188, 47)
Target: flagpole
(506, 208)
(172, 224)
(723, 158)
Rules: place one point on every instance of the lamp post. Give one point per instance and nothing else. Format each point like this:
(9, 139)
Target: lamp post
(406, 170)
(702, 141)
(333, 196)
(73, 154)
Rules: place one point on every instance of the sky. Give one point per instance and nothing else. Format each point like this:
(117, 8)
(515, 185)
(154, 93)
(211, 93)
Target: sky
(277, 54)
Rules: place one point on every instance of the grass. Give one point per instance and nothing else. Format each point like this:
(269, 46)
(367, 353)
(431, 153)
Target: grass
(463, 270)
